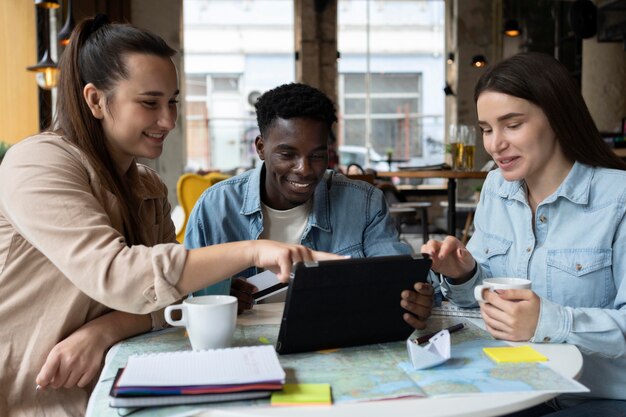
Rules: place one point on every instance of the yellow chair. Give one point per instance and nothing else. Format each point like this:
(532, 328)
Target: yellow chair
(188, 189)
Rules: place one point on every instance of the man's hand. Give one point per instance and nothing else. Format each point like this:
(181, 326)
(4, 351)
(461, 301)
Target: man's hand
(243, 290)
(418, 303)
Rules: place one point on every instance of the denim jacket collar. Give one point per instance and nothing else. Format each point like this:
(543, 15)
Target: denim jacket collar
(320, 215)
(575, 187)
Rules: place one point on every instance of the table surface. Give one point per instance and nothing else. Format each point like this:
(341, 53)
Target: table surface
(439, 173)
(563, 358)
(452, 177)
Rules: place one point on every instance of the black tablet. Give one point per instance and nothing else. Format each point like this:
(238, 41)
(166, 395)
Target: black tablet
(348, 302)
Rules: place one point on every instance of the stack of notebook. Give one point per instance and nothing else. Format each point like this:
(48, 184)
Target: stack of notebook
(196, 377)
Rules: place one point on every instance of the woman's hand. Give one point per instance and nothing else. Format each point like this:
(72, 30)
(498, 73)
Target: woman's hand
(418, 303)
(209, 265)
(511, 314)
(279, 257)
(450, 258)
(74, 361)
(243, 290)
(77, 359)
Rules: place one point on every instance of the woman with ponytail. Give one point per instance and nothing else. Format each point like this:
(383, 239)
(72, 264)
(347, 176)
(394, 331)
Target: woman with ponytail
(87, 247)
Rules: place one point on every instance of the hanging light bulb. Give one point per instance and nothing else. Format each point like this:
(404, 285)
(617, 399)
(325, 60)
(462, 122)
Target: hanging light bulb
(47, 4)
(479, 61)
(512, 28)
(64, 35)
(47, 73)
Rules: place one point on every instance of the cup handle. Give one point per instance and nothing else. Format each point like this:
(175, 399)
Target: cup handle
(478, 294)
(168, 315)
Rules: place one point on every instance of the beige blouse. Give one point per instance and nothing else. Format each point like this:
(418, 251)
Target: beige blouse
(64, 261)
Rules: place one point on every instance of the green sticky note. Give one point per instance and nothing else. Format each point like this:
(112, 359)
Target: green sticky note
(511, 354)
(303, 394)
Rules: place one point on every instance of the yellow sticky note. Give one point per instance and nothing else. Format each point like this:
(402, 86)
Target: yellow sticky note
(514, 354)
(303, 394)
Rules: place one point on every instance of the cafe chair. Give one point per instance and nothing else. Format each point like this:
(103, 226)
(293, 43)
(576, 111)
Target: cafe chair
(188, 189)
(406, 212)
(369, 178)
(356, 172)
(468, 208)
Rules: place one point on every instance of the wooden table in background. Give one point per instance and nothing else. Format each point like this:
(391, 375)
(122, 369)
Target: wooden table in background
(451, 176)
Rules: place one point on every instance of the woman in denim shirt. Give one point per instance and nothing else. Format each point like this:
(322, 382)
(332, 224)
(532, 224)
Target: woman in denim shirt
(552, 213)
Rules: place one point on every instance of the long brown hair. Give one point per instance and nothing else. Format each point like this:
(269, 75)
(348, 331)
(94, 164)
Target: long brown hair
(545, 82)
(96, 54)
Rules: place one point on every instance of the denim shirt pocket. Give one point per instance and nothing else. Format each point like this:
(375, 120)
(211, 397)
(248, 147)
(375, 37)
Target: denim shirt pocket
(579, 277)
(495, 250)
(354, 251)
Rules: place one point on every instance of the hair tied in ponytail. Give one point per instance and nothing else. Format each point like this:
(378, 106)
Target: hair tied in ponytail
(99, 20)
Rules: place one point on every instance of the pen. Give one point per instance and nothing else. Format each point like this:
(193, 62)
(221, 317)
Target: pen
(425, 338)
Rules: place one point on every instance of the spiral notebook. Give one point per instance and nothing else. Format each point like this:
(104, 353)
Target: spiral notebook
(198, 376)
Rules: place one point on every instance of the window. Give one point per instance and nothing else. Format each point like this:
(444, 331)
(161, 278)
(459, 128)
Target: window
(394, 111)
(196, 120)
(233, 50)
(225, 84)
(398, 45)
(196, 85)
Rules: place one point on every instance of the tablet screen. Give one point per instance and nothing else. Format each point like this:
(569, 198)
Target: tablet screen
(348, 302)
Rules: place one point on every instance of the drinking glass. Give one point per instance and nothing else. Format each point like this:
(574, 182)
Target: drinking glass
(469, 148)
(456, 146)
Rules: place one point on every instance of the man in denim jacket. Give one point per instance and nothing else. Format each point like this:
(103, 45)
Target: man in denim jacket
(292, 197)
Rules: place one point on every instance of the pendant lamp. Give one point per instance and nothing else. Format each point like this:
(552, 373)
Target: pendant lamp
(47, 73)
(512, 28)
(64, 35)
(47, 4)
(479, 61)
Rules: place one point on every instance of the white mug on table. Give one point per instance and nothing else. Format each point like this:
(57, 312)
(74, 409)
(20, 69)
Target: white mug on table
(494, 284)
(210, 320)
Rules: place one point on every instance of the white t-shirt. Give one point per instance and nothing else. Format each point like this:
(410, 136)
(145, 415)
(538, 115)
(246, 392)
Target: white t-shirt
(285, 226)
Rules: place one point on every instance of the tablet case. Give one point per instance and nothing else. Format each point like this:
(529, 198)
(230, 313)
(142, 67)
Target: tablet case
(348, 302)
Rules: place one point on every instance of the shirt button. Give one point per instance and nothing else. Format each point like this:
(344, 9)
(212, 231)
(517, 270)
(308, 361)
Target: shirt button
(579, 267)
(543, 219)
(486, 250)
(155, 298)
(546, 339)
(528, 249)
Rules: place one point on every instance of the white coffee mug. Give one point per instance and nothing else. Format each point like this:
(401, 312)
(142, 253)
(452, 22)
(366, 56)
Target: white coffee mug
(210, 320)
(493, 284)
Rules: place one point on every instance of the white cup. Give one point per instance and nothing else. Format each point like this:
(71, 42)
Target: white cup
(493, 284)
(210, 320)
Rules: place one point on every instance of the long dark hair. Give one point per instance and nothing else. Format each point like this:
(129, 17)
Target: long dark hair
(545, 82)
(96, 54)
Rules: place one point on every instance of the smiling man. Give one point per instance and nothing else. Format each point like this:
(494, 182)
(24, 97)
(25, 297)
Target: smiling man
(292, 197)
